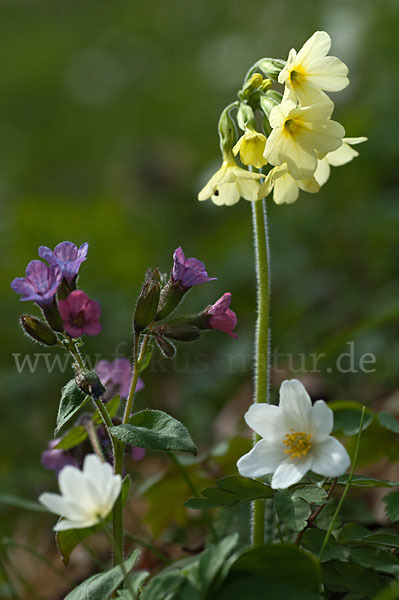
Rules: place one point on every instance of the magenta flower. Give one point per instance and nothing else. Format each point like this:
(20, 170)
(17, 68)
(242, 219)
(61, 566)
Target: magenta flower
(116, 376)
(67, 256)
(40, 283)
(188, 271)
(221, 316)
(80, 314)
(55, 460)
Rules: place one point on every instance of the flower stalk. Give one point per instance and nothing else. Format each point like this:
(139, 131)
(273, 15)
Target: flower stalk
(262, 339)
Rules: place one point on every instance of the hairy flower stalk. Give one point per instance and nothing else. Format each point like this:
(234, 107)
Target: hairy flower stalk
(262, 339)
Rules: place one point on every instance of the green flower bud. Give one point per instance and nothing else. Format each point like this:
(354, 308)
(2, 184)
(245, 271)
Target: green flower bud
(166, 347)
(53, 316)
(38, 330)
(181, 332)
(171, 296)
(89, 382)
(246, 117)
(227, 131)
(271, 67)
(147, 305)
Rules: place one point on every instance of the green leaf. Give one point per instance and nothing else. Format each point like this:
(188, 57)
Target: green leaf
(313, 539)
(101, 586)
(279, 564)
(112, 408)
(351, 532)
(126, 485)
(68, 540)
(390, 592)
(214, 565)
(388, 421)
(229, 491)
(383, 539)
(347, 417)
(311, 493)
(155, 430)
(238, 584)
(10, 500)
(74, 437)
(364, 481)
(136, 581)
(392, 506)
(375, 558)
(72, 399)
(344, 577)
(292, 511)
(162, 585)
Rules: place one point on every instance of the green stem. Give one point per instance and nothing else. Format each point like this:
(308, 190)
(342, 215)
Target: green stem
(194, 490)
(93, 437)
(346, 489)
(120, 447)
(262, 340)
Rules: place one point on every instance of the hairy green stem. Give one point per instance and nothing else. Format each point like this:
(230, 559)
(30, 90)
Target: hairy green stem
(262, 340)
(120, 447)
(346, 489)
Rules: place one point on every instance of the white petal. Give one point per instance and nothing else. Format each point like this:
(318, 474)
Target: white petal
(291, 471)
(54, 502)
(296, 404)
(286, 190)
(309, 185)
(317, 46)
(265, 420)
(227, 194)
(330, 458)
(264, 458)
(323, 170)
(68, 524)
(73, 486)
(282, 147)
(279, 113)
(355, 140)
(114, 491)
(329, 74)
(249, 189)
(342, 156)
(322, 421)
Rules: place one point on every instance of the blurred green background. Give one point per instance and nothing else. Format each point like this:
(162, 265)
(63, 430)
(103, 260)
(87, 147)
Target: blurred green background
(108, 114)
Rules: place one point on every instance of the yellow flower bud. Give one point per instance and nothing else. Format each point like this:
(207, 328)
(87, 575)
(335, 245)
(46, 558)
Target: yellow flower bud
(251, 147)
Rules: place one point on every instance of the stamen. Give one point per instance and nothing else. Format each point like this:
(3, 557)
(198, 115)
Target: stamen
(298, 443)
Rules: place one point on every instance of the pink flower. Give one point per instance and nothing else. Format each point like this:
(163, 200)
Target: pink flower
(80, 314)
(221, 316)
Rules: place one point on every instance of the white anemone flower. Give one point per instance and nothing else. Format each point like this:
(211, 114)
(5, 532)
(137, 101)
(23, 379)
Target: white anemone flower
(301, 135)
(86, 497)
(285, 187)
(310, 71)
(295, 439)
(339, 157)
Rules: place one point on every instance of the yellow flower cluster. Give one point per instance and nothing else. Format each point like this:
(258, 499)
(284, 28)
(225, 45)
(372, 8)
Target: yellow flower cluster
(304, 141)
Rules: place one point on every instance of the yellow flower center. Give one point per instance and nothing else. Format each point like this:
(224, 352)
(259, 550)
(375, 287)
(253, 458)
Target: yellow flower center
(292, 126)
(298, 443)
(297, 76)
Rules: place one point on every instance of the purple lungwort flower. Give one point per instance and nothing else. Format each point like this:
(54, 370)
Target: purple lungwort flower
(116, 376)
(40, 283)
(80, 314)
(188, 271)
(67, 256)
(221, 316)
(55, 460)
